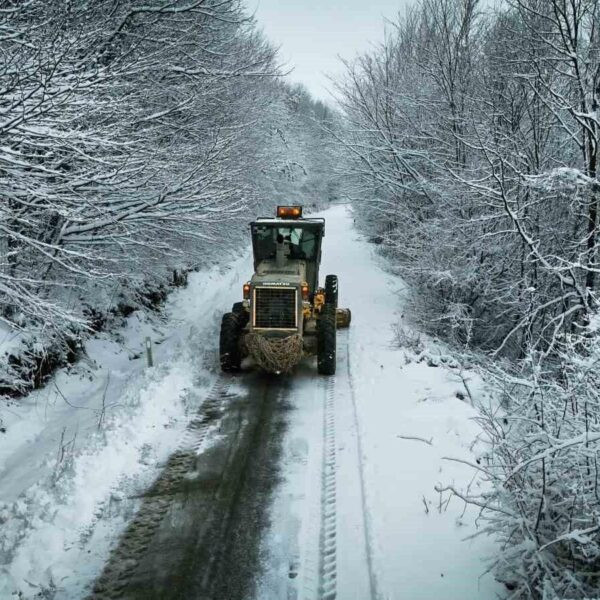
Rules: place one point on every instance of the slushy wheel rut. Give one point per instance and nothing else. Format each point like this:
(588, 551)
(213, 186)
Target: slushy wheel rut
(156, 501)
(328, 546)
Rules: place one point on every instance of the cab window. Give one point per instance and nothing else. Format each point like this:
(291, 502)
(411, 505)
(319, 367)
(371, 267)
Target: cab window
(302, 241)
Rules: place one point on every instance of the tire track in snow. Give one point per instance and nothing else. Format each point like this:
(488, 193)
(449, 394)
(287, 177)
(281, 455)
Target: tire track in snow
(139, 533)
(328, 566)
(346, 569)
(311, 544)
(368, 535)
(228, 569)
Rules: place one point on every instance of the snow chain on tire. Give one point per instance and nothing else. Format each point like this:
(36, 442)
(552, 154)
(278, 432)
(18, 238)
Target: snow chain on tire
(326, 342)
(229, 343)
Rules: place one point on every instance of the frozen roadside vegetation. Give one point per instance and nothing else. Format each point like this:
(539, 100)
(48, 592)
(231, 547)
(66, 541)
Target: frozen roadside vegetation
(77, 452)
(541, 501)
(496, 231)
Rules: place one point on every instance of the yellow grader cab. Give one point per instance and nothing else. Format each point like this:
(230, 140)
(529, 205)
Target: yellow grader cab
(284, 315)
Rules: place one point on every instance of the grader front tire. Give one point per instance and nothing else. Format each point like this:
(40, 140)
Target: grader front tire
(326, 342)
(229, 343)
(343, 317)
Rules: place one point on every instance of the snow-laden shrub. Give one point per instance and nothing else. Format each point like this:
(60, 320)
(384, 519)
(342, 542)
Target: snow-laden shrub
(406, 338)
(544, 503)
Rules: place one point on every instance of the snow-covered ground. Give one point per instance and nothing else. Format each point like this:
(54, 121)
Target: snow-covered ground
(374, 438)
(418, 553)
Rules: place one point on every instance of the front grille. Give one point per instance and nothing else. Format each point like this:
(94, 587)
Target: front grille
(275, 308)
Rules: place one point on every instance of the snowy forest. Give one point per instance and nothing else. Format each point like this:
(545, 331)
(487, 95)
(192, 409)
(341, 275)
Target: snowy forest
(472, 139)
(138, 139)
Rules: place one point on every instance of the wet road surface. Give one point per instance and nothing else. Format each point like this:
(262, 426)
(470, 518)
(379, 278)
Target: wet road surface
(197, 532)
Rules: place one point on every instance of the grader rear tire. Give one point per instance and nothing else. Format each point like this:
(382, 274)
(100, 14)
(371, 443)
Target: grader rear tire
(229, 343)
(331, 290)
(326, 342)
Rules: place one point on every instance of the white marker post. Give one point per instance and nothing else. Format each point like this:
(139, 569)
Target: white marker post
(149, 352)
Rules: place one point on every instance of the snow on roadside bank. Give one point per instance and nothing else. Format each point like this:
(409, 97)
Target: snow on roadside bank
(97, 433)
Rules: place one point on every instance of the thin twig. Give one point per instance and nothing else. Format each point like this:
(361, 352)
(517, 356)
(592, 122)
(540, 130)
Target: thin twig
(418, 439)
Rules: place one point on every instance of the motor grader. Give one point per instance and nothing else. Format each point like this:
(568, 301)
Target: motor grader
(284, 315)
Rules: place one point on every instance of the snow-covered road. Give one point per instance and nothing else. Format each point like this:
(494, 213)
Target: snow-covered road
(395, 536)
(336, 475)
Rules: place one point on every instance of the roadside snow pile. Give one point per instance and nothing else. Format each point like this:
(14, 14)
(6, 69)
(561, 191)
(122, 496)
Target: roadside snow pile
(421, 436)
(133, 440)
(77, 452)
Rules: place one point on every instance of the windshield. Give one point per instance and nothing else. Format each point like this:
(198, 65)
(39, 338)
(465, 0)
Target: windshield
(302, 241)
